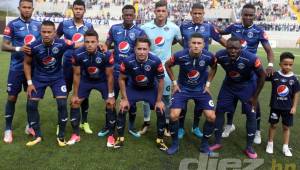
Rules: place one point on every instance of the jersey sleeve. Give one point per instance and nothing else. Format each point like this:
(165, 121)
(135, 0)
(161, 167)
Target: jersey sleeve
(178, 36)
(263, 37)
(257, 65)
(75, 60)
(214, 33)
(124, 67)
(60, 30)
(213, 60)
(228, 29)
(142, 34)
(296, 87)
(8, 32)
(160, 71)
(174, 59)
(110, 35)
(110, 59)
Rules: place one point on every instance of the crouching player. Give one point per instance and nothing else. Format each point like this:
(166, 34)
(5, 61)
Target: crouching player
(145, 75)
(284, 100)
(193, 83)
(92, 69)
(46, 58)
(241, 84)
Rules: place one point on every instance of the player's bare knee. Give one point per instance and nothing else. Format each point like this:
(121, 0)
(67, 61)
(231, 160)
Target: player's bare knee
(285, 128)
(273, 126)
(12, 98)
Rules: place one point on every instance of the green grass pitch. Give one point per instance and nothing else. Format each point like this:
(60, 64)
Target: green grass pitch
(91, 152)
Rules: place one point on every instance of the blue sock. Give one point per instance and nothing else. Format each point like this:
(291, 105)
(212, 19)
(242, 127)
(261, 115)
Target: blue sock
(219, 126)
(62, 116)
(9, 114)
(160, 123)
(111, 119)
(121, 121)
(251, 127)
(84, 110)
(182, 118)
(197, 115)
(34, 116)
(174, 132)
(75, 119)
(229, 118)
(132, 117)
(208, 129)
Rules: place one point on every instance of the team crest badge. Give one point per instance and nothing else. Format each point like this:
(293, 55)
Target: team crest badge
(132, 36)
(147, 67)
(55, 50)
(98, 60)
(250, 34)
(241, 66)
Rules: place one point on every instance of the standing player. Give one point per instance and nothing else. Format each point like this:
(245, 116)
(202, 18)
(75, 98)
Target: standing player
(93, 69)
(193, 83)
(18, 34)
(123, 37)
(162, 34)
(250, 35)
(208, 31)
(141, 79)
(74, 30)
(46, 58)
(244, 80)
(284, 100)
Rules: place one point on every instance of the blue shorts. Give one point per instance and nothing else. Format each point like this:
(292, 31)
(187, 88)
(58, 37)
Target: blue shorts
(230, 94)
(203, 101)
(287, 117)
(85, 89)
(58, 88)
(15, 81)
(146, 95)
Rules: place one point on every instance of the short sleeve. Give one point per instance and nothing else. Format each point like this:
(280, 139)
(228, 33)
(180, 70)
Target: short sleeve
(214, 33)
(110, 36)
(228, 29)
(60, 30)
(110, 59)
(8, 32)
(160, 70)
(263, 37)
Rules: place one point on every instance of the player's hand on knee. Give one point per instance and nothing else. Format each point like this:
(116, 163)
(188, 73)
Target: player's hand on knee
(124, 105)
(207, 90)
(160, 106)
(75, 100)
(253, 102)
(30, 89)
(175, 89)
(110, 102)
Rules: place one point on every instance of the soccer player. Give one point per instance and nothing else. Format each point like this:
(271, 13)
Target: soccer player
(208, 31)
(74, 30)
(162, 34)
(250, 35)
(284, 100)
(93, 69)
(243, 81)
(18, 34)
(45, 59)
(141, 79)
(122, 37)
(193, 83)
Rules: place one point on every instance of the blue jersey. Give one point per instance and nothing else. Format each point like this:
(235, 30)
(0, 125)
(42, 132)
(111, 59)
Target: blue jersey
(47, 59)
(242, 70)
(284, 87)
(206, 29)
(92, 66)
(193, 71)
(20, 32)
(142, 75)
(71, 32)
(124, 41)
(249, 37)
(162, 38)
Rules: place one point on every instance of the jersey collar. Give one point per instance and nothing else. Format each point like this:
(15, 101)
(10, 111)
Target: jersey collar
(290, 74)
(248, 27)
(83, 24)
(129, 28)
(23, 20)
(160, 26)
